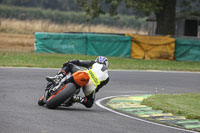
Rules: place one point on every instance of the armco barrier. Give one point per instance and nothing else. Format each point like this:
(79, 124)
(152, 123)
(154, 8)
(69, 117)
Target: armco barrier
(86, 44)
(187, 49)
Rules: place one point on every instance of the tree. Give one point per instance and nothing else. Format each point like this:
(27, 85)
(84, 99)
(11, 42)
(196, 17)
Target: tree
(165, 17)
(164, 10)
(64, 5)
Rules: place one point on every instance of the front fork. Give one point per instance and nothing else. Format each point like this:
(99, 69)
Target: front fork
(47, 93)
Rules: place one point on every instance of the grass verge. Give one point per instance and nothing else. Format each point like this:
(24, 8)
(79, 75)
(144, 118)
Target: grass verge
(30, 59)
(187, 104)
(29, 27)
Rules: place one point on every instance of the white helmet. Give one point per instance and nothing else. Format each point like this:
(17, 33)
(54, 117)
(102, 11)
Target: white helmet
(102, 60)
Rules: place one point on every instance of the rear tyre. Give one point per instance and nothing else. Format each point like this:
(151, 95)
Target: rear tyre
(61, 96)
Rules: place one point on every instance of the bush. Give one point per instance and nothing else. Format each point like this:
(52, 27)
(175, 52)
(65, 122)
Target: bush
(61, 17)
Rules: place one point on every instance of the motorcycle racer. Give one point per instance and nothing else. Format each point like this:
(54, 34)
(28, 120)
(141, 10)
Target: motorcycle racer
(91, 80)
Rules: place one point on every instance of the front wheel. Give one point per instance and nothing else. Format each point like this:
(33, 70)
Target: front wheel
(62, 95)
(41, 101)
(43, 98)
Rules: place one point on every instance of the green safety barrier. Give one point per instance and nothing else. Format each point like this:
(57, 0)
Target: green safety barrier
(109, 45)
(60, 43)
(187, 49)
(86, 44)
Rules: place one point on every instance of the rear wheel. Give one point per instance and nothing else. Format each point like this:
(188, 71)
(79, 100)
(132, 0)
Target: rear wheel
(62, 95)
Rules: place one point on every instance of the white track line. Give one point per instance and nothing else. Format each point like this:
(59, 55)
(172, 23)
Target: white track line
(98, 102)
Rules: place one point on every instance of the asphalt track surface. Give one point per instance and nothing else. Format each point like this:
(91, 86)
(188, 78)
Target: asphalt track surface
(20, 89)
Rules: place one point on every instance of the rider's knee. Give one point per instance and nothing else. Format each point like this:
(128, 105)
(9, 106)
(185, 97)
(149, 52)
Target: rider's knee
(88, 105)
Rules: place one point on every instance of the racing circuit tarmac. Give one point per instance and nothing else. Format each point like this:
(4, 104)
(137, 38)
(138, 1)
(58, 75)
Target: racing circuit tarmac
(20, 89)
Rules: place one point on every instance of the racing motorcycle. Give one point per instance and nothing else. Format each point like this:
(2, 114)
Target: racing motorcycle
(60, 93)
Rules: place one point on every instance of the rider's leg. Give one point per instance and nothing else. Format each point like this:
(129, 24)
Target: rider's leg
(57, 78)
(90, 100)
(69, 67)
(86, 101)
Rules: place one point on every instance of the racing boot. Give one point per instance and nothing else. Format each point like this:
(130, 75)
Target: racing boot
(57, 78)
(74, 99)
(79, 99)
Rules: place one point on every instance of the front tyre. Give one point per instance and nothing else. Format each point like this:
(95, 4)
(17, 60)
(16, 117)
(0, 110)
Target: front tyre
(41, 101)
(62, 95)
(44, 98)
